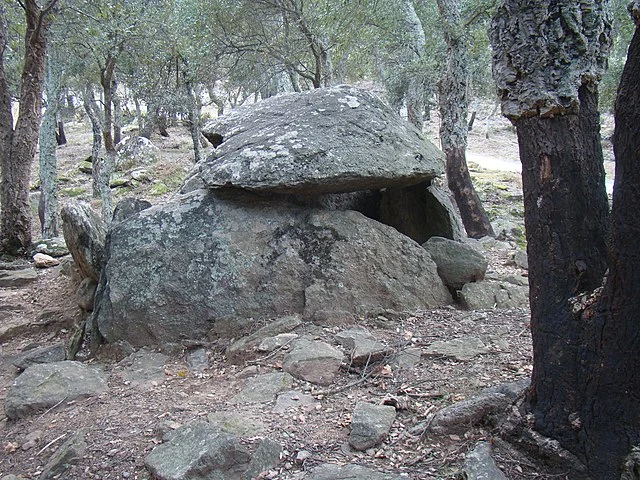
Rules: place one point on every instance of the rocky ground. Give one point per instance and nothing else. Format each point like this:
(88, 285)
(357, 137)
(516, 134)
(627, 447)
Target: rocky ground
(432, 359)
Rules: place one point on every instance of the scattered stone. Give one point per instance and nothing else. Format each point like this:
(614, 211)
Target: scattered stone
(247, 372)
(493, 294)
(263, 388)
(31, 440)
(458, 263)
(239, 423)
(349, 472)
(302, 456)
(521, 260)
(314, 362)
(479, 465)
(241, 349)
(198, 359)
(86, 167)
(457, 418)
(463, 349)
(45, 385)
(56, 247)
(128, 207)
(328, 140)
(270, 344)
(68, 454)
(42, 260)
(85, 294)
(17, 278)
(370, 425)
(266, 457)
(363, 347)
(119, 182)
(12, 477)
(196, 452)
(85, 234)
(293, 400)
(144, 368)
(50, 354)
(134, 151)
(407, 359)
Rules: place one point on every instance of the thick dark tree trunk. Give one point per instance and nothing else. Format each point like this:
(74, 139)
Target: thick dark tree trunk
(453, 130)
(61, 137)
(19, 146)
(566, 213)
(611, 410)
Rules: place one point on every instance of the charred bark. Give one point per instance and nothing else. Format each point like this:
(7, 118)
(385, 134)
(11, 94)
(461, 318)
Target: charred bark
(453, 130)
(610, 415)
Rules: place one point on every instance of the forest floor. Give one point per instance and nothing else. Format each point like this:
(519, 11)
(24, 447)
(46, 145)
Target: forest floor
(121, 426)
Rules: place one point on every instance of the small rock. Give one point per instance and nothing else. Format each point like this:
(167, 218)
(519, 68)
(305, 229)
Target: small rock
(144, 368)
(521, 260)
(266, 457)
(17, 278)
(302, 456)
(239, 423)
(128, 207)
(493, 294)
(407, 359)
(32, 439)
(42, 260)
(68, 454)
(292, 400)
(195, 449)
(364, 348)
(462, 349)
(198, 360)
(458, 263)
(263, 388)
(247, 372)
(270, 344)
(241, 348)
(370, 425)
(314, 362)
(55, 353)
(479, 465)
(56, 247)
(349, 472)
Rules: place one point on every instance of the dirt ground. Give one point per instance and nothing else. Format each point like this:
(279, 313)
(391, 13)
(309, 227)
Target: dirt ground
(122, 425)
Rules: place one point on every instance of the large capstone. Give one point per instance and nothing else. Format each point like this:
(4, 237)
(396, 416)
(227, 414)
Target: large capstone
(178, 270)
(328, 140)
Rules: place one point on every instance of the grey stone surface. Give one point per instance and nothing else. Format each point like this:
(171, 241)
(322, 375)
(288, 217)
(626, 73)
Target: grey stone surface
(17, 278)
(313, 361)
(198, 359)
(143, 368)
(85, 235)
(263, 388)
(493, 294)
(479, 465)
(265, 458)
(45, 385)
(458, 263)
(463, 349)
(127, 207)
(292, 401)
(521, 260)
(50, 354)
(407, 359)
(239, 423)
(85, 294)
(362, 346)
(270, 344)
(327, 140)
(56, 247)
(135, 151)
(240, 256)
(349, 472)
(198, 451)
(370, 424)
(242, 348)
(68, 454)
(42, 260)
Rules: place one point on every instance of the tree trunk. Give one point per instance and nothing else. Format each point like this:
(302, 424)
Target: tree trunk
(96, 128)
(17, 157)
(611, 409)
(414, 95)
(117, 112)
(453, 130)
(194, 119)
(566, 213)
(106, 164)
(48, 209)
(61, 137)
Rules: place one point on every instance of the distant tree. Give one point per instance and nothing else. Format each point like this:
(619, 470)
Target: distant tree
(18, 144)
(454, 105)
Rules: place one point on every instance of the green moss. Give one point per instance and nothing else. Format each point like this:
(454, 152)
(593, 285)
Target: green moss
(158, 189)
(73, 191)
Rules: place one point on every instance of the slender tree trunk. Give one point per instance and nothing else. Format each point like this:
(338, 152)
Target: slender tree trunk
(194, 119)
(91, 109)
(107, 163)
(61, 137)
(414, 96)
(611, 409)
(453, 130)
(48, 209)
(117, 112)
(15, 217)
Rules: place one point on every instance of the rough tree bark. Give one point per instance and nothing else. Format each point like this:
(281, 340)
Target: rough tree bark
(454, 104)
(106, 165)
(48, 208)
(18, 144)
(610, 414)
(193, 112)
(414, 98)
(549, 91)
(88, 102)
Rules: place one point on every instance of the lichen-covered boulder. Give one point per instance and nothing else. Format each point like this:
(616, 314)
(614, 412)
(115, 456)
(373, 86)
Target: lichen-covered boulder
(179, 270)
(85, 235)
(328, 140)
